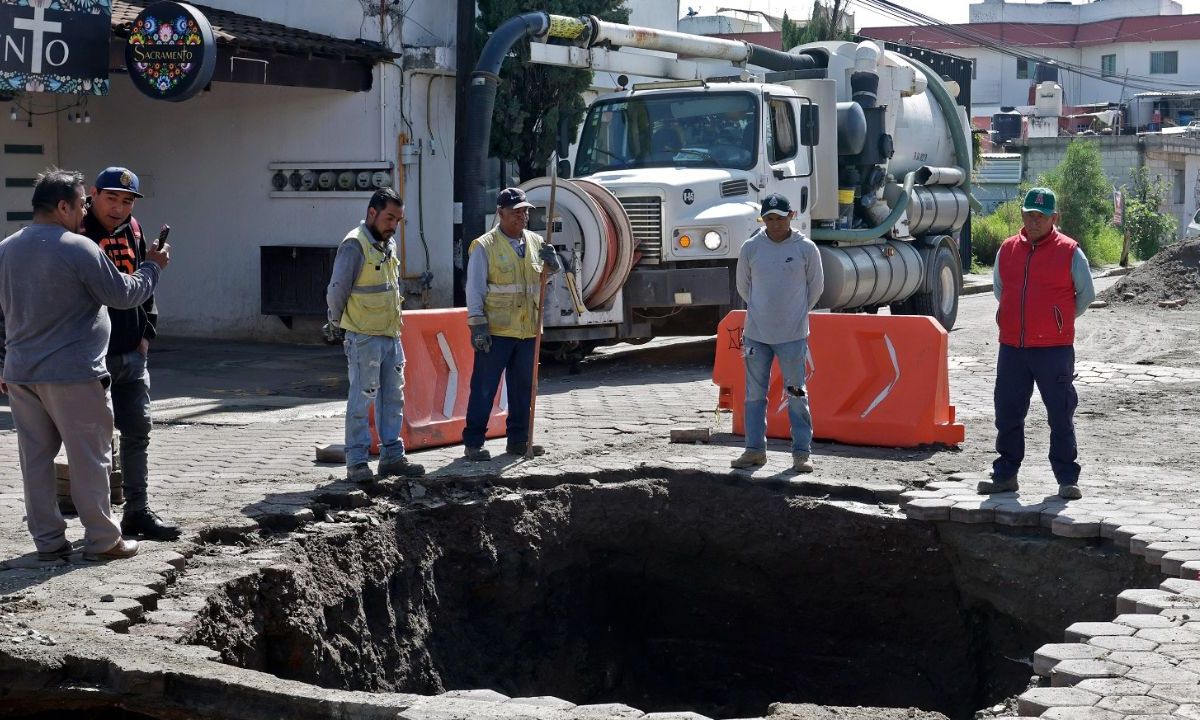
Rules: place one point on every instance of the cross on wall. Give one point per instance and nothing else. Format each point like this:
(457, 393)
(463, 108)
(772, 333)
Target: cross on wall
(39, 26)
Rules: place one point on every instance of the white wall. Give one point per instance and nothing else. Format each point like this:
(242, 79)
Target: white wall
(204, 165)
(340, 18)
(1058, 13)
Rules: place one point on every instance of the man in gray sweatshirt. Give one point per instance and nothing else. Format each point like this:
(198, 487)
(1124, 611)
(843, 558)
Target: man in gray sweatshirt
(779, 276)
(54, 286)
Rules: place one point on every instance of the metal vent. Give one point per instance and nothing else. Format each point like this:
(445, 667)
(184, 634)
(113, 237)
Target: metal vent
(645, 217)
(731, 188)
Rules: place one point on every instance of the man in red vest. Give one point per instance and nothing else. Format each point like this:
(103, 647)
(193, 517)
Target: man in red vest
(1043, 283)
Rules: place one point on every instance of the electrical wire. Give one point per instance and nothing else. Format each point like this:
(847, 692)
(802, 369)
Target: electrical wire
(974, 38)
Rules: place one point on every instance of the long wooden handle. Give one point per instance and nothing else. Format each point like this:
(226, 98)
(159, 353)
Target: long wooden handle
(537, 344)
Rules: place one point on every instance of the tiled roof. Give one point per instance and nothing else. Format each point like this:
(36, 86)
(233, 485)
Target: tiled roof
(1156, 28)
(254, 33)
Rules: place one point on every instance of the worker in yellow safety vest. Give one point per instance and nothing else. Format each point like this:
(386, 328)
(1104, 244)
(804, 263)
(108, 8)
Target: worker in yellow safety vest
(504, 281)
(364, 300)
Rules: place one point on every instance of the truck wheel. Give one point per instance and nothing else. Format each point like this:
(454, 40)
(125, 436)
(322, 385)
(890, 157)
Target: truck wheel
(943, 284)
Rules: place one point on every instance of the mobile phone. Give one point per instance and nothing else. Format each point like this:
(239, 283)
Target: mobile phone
(163, 232)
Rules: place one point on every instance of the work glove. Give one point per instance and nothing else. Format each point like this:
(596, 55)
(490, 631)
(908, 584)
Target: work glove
(481, 339)
(550, 259)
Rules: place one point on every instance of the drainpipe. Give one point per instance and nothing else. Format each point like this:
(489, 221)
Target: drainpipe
(586, 31)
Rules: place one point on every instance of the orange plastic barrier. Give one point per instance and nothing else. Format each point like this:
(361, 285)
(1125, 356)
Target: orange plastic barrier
(872, 380)
(438, 358)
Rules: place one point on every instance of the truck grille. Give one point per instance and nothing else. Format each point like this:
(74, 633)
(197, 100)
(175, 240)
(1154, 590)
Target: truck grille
(733, 188)
(645, 217)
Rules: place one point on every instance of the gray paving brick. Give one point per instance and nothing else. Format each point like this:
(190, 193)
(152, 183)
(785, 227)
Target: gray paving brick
(1136, 705)
(1114, 686)
(1168, 635)
(1037, 701)
(1082, 631)
(1163, 676)
(1121, 643)
(1180, 694)
(1072, 672)
(606, 711)
(1047, 656)
(1140, 621)
(1081, 713)
(1019, 515)
(1075, 526)
(929, 510)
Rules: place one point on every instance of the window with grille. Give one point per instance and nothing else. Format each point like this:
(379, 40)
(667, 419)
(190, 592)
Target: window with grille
(1164, 62)
(1108, 65)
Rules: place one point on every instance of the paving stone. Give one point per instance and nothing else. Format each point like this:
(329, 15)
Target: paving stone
(1127, 600)
(1163, 676)
(1168, 635)
(1154, 552)
(1080, 713)
(1139, 543)
(606, 711)
(1191, 712)
(483, 695)
(675, 716)
(1123, 534)
(1072, 672)
(1136, 705)
(973, 511)
(1082, 631)
(1114, 686)
(548, 701)
(1172, 563)
(1047, 656)
(1140, 621)
(111, 619)
(1141, 659)
(1121, 643)
(1075, 526)
(1190, 570)
(1037, 701)
(1180, 694)
(929, 510)
(1187, 588)
(1019, 515)
(1181, 652)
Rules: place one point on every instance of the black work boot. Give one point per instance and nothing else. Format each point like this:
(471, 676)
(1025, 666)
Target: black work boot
(476, 454)
(147, 524)
(520, 448)
(400, 467)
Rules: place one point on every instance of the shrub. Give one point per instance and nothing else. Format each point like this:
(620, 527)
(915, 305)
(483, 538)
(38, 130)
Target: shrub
(1149, 227)
(989, 231)
(1084, 195)
(1105, 247)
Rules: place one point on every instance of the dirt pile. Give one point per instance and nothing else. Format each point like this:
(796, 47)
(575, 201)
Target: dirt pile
(1168, 277)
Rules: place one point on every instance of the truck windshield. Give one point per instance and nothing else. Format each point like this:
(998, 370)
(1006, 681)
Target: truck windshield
(702, 129)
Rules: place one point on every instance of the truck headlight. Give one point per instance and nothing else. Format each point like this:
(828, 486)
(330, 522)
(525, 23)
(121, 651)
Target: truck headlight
(712, 239)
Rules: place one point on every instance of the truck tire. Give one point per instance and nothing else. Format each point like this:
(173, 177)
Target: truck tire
(938, 297)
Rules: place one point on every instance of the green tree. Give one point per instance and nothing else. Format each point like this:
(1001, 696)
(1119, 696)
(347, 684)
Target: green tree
(827, 22)
(532, 98)
(1084, 195)
(1148, 226)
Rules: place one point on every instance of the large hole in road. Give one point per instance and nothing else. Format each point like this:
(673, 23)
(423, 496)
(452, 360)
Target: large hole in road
(686, 594)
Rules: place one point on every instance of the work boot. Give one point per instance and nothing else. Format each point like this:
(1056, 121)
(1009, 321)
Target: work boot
(61, 553)
(988, 487)
(123, 549)
(749, 459)
(360, 473)
(801, 463)
(149, 525)
(1069, 492)
(400, 467)
(519, 449)
(476, 454)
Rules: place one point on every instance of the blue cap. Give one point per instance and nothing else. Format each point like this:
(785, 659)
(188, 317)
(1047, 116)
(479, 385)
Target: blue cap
(119, 179)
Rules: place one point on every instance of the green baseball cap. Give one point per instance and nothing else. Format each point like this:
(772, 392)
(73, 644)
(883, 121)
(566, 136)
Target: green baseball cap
(1039, 200)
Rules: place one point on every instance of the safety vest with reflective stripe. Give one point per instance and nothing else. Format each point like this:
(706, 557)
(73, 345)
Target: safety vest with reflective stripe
(514, 284)
(375, 299)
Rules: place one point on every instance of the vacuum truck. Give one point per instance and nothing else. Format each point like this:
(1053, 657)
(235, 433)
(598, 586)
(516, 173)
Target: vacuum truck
(867, 144)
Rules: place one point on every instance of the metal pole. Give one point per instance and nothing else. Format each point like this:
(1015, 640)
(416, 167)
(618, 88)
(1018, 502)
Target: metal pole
(537, 344)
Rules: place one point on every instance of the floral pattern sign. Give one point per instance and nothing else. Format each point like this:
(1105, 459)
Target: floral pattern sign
(171, 52)
(55, 46)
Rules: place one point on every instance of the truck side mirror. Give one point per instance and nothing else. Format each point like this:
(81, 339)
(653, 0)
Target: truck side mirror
(810, 125)
(564, 168)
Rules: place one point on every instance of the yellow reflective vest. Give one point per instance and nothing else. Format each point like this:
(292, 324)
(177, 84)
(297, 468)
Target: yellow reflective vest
(375, 299)
(514, 284)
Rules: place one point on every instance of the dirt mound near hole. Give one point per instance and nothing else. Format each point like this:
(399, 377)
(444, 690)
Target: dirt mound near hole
(1170, 276)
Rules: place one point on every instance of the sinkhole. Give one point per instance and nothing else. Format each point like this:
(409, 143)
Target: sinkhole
(693, 593)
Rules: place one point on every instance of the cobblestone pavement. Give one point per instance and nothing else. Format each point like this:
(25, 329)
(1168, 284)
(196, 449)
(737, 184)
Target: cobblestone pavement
(237, 427)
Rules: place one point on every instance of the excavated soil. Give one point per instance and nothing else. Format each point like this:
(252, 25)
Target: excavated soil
(1171, 275)
(689, 594)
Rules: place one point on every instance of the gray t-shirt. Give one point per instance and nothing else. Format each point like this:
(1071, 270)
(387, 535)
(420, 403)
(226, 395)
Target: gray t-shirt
(780, 282)
(54, 285)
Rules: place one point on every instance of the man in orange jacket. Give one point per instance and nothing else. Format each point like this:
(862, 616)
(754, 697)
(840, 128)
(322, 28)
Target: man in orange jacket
(1043, 282)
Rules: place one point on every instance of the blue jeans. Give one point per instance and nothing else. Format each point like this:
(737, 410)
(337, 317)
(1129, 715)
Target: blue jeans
(131, 411)
(1052, 369)
(514, 358)
(376, 367)
(758, 357)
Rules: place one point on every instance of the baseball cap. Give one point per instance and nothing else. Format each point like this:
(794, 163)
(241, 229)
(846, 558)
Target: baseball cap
(512, 198)
(1039, 200)
(119, 179)
(775, 204)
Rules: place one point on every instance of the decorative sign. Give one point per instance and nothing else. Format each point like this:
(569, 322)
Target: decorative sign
(1118, 206)
(171, 53)
(55, 46)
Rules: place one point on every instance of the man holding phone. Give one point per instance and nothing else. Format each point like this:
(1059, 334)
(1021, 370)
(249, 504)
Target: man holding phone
(110, 223)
